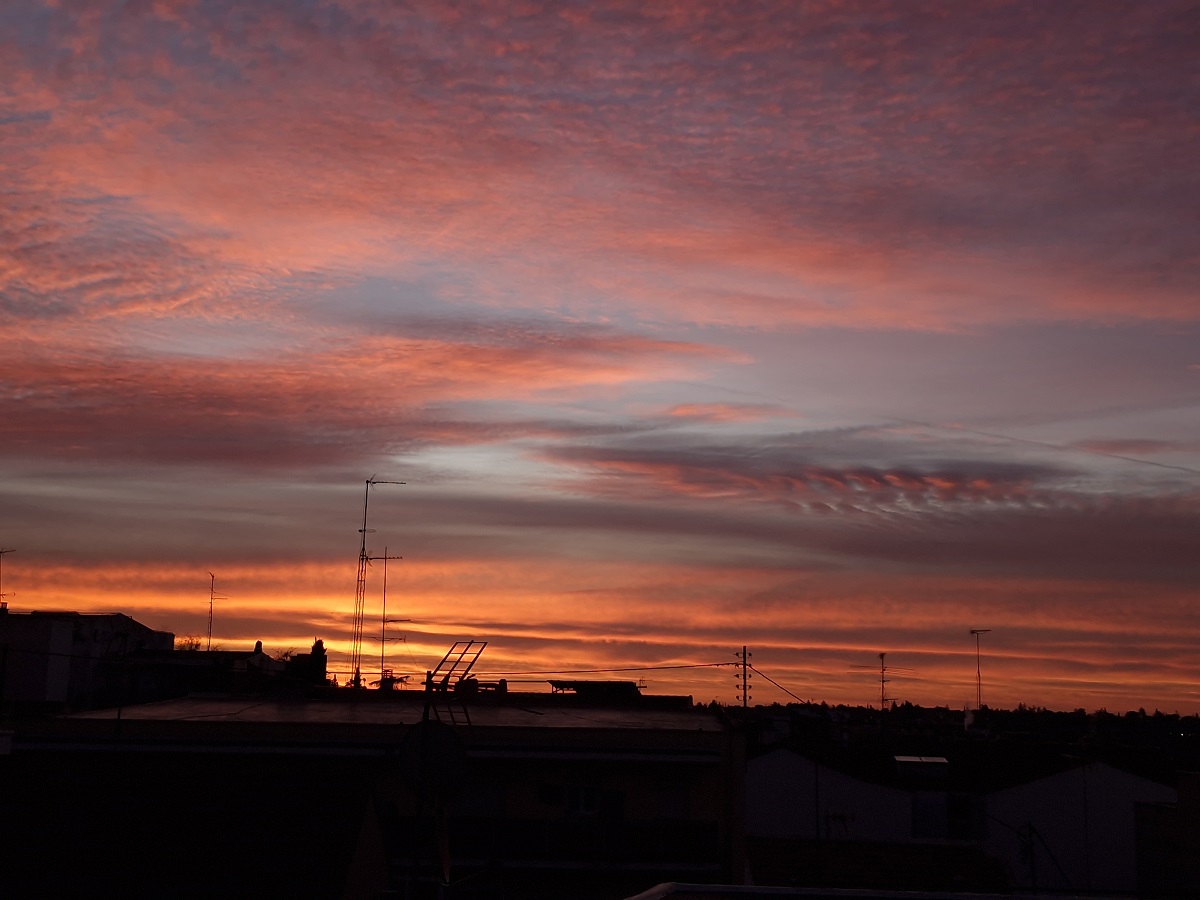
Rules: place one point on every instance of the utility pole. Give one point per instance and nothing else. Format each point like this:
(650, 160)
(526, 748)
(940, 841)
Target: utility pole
(3, 602)
(883, 680)
(744, 681)
(978, 674)
(360, 588)
(212, 595)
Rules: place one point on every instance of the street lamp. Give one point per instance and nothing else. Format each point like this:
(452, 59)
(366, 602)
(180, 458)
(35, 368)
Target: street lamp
(978, 677)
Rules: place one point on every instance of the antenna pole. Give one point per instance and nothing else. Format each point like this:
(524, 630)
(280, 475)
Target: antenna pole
(212, 595)
(3, 602)
(212, 589)
(978, 674)
(360, 587)
(383, 621)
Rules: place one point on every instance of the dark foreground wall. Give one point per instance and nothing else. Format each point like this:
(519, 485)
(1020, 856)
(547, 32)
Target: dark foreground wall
(123, 824)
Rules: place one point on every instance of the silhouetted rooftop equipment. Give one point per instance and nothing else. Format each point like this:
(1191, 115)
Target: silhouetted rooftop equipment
(387, 679)
(884, 668)
(605, 691)
(360, 587)
(3, 602)
(456, 664)
(212, 595)
(976, 632)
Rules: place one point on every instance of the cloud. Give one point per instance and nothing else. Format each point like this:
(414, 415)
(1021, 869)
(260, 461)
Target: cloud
(778, 470)
(571, 270)
(728, 412)
(1135, 447)
(307, 408)
(1054, 642)
(974, 515)
(755, 169)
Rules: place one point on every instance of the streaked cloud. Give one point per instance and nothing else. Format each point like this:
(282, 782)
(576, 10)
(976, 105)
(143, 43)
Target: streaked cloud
(874, 320)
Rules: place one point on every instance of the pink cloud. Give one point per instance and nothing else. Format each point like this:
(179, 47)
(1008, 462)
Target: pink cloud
(728, 412)
(306, 408)
(293, 142)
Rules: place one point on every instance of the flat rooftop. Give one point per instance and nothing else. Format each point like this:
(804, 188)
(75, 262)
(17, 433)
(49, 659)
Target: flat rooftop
(406, 708)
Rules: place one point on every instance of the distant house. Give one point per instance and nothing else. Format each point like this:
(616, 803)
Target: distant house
(156, 676)
(52, 661)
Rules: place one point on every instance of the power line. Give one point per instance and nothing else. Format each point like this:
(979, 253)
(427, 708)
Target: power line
(757, 671)
(602, 671)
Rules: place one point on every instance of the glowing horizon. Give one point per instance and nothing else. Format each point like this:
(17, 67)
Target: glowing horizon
(829, 331)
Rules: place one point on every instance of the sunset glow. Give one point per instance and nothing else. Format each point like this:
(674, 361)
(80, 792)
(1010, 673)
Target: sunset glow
(827, 329)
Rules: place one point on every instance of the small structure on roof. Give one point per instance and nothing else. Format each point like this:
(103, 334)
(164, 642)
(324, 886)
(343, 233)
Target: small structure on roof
(598, 691)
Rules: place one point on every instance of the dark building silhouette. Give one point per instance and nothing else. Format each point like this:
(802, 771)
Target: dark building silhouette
(251, 775)
(1168, 843)
(357, 793)
(54, 661)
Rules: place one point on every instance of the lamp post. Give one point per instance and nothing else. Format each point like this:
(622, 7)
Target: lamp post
(978, 676)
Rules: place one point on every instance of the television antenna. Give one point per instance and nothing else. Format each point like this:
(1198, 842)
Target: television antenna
(360, 587)
(3, 602)
(884, 669)
(978, 675)
(384, 621)
(212, 595)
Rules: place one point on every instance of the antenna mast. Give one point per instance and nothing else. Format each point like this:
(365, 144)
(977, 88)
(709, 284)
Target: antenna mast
(212, 595)
(978, 675)
(383, 620)
(360, 588)
(884, 681)
(3, 602)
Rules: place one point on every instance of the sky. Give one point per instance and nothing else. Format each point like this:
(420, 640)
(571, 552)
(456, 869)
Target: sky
(828, 329)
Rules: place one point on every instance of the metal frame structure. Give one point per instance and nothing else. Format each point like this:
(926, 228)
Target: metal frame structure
(360, 587)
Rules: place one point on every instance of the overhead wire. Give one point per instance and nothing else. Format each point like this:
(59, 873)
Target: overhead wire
(604, 671)
(776, 683)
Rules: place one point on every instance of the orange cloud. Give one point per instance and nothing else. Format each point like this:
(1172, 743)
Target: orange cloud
(1061, 644)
